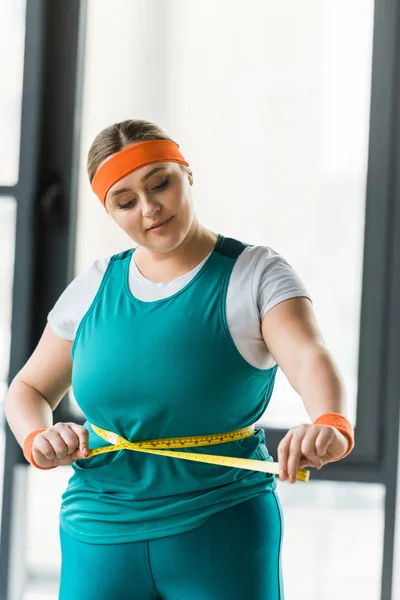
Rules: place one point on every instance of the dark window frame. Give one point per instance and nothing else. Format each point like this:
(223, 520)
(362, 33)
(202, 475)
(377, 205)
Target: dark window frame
(45, 242)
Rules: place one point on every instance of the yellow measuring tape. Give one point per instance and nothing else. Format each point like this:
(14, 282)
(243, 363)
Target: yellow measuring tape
(154, 447)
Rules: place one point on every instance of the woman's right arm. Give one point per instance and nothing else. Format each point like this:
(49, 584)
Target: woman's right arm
(33, 395)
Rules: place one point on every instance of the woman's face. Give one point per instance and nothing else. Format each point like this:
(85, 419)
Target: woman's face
(153, 194)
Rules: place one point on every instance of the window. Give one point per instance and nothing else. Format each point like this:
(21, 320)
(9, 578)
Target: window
(12, 32)
(273, 113)
(7, 245)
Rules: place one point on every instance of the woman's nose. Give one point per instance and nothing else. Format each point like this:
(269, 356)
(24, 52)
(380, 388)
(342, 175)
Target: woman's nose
(149, 207)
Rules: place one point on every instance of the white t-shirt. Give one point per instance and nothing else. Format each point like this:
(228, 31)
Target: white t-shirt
(260, 279)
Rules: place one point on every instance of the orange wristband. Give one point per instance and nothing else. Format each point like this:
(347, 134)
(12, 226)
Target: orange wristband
(28, 443)
(341, 424)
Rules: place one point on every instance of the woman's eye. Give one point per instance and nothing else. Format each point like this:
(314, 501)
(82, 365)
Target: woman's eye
(157, 188)
(161, 186)
(127, 205)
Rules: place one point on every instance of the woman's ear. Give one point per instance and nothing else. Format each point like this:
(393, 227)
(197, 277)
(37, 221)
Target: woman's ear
(190, 176)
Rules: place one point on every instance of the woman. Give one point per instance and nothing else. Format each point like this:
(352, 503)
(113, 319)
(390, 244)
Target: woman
(179, 337)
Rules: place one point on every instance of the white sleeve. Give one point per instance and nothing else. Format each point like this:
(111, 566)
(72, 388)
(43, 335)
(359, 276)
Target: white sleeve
(76, 299)
(274, 281)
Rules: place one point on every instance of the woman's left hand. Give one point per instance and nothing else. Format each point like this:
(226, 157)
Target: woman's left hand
(309, 446)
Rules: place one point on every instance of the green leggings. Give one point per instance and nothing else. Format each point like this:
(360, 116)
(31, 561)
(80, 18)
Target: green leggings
(234, 555)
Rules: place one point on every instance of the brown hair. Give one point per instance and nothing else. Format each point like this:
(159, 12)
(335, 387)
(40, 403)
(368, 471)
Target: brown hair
(118, 136)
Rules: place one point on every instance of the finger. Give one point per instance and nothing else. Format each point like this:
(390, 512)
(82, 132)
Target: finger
(67, 460)
(83, 436)
(55, 438)
(308, 448)
(43, 452)
(69, 436)
(304, 462)
(78, 454)
(283, 455)
(325, 437)
(294, 455)
(50, 444)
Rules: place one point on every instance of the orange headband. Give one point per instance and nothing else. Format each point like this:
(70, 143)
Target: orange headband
(132, 158)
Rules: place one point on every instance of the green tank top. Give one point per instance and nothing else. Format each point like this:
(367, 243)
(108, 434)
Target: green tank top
(167, 368)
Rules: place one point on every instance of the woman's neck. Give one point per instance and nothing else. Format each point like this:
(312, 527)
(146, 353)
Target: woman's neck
(163, 268)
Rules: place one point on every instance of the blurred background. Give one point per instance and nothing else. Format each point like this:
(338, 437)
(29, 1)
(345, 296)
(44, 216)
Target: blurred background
(288, 113)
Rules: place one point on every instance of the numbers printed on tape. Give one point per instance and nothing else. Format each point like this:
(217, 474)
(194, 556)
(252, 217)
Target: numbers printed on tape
(158, 447)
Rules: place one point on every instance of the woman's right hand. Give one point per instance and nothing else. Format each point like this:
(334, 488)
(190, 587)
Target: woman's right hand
(60, 445)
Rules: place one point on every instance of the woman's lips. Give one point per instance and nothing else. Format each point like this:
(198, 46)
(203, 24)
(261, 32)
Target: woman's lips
(162, 226)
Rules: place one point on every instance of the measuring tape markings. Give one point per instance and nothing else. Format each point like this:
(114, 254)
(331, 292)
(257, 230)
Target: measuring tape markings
(153, 447)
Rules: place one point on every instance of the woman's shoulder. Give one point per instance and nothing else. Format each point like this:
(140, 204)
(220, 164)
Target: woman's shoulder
(268, 276)
(259, 257)
(90, 275)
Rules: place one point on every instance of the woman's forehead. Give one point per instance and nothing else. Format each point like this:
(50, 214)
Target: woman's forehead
(139, 176)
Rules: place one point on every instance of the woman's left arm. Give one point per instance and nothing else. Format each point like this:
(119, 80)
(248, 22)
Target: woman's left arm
(293, 337)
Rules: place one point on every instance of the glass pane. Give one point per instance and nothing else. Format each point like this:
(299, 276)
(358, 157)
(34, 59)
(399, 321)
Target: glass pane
(8, 213)
(281, 108)
(333, 540)
(43, 555)
(12, 41)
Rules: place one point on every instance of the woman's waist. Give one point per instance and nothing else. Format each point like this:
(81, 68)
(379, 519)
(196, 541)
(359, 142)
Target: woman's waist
(159, 435)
